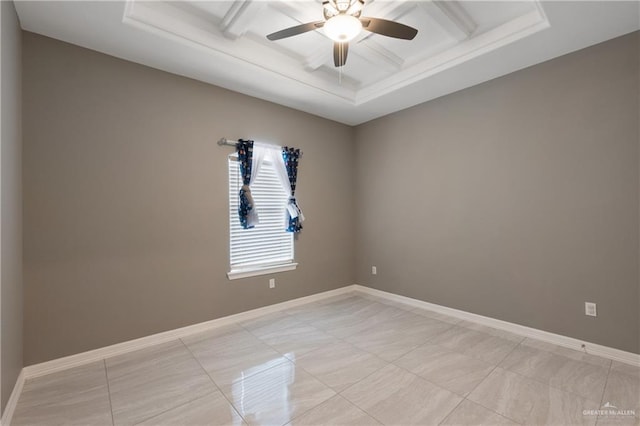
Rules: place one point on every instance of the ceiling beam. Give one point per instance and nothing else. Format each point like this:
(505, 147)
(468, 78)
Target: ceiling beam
(317, 59)
(238, 19)
(298, 11)
(452, 17)
(392, 11)
(380, 55)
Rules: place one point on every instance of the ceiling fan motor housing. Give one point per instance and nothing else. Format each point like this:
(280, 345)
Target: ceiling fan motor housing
(333, 8)
(342, 28)
(342, 23)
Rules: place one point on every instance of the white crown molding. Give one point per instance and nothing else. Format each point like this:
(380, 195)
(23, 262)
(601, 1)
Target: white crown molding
(10, 409)
(240, 16)
(178, 24)
(451, 17)
(188, 38)
(521, 330)
(464, 51)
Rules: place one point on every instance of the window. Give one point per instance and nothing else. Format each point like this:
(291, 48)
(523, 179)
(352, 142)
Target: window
(267, 247)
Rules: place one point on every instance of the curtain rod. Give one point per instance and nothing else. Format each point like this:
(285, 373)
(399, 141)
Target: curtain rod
(229, 142)
(225, 141)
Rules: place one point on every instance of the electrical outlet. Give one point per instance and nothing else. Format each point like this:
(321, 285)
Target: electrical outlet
(590, 309)
(272, 283)
(374, 270)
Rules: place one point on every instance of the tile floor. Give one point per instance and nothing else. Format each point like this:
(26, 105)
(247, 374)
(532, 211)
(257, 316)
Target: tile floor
(348, 360)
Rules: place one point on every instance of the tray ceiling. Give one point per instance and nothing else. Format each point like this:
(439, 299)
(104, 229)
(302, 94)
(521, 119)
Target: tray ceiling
(459, 44)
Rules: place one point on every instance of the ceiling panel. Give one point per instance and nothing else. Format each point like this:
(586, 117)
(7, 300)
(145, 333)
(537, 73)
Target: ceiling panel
(224, 43)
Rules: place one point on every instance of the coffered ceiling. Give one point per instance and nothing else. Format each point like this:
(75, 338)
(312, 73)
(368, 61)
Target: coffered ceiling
(459, 44)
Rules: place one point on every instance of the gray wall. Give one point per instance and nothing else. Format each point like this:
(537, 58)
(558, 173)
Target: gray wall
(11, 202)
(515, 199)
(126, 206)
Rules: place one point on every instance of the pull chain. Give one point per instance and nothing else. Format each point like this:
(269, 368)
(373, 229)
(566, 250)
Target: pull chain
(341, 50)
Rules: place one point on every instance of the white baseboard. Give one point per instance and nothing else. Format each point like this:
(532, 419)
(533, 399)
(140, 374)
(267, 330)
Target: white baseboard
(7, 414)
(144, 342)
(557, 339)
(71, 361)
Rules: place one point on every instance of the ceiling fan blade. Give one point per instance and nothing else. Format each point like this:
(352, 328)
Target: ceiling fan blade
(388, 28)
(298, 29)
(340, 51)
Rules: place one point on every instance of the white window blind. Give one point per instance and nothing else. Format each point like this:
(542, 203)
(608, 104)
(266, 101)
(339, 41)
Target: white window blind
(267, 244)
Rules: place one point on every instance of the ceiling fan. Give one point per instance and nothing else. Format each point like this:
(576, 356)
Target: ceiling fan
(342, 23)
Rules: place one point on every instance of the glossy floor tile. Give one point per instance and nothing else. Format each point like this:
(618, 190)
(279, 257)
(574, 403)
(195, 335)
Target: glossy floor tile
(622, 393)
(470, 413)
(212, 409)
(271, 323)
(578, 377)
(491, 331)
(277, 395)
(354, 321)
(147, 382)
(335, 412)
(476, 344)
(393, 338)
(78, 396)
(347, 360)
(625, 369)
(436, 315)
(569, 353)
(396, 396)
(388, 302)
(316, 312)
(340, 365)
(287, 335)
(232, 353)
(451, 370)
(527, 401)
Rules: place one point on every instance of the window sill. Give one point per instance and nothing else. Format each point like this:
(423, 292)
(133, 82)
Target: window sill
(260, 270)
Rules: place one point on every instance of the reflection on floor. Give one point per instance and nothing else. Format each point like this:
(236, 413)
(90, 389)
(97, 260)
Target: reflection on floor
(349, 360)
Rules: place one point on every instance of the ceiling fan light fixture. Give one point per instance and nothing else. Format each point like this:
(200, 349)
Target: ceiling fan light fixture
(342, 28)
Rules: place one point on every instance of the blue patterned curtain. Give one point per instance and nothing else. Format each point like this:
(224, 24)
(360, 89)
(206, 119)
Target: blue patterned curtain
(291, 157)
(245, 206)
